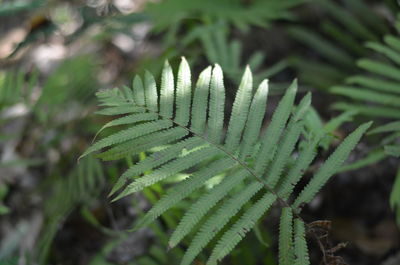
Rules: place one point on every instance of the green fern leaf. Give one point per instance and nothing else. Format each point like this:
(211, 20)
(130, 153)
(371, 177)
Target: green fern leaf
(285, 237)
(271, 136)
(184, 189)
(138, 91)
(235, 234)
(130, 119)
(189, 138)
(183, 94)
(217, 104)
(143, 143)
(129, 134)
(150, 92)
(300, 244)
(204, 204)
(374, 83)
(389, 127)
(371, 96)
(380, 48)
(380, 68)
(167, 92)
(254, 121)
(217, 221)
(393, 42)
(169, 169)
(370, 111)
(240, 110)
(287, 146)
(302, 162)
(120, 110)
(200, 101)
(331, 165)
(156, 159)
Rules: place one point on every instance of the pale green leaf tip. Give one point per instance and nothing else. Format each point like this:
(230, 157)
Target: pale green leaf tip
(217, 67)
(171, 244)
(206, 70)
(263, 87)
(83, 155)
(265, 82)
(308, 98)
(148, 76)
(184, 62)
(367, 125)
(293, 86)
(113, 191)
(120, 196)
(79, 158)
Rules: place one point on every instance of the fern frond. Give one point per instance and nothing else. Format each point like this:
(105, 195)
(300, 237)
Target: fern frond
(138, 91)
(392, 150)
(111, 97)
(239, 113)
(392, 41)
(286, 148)
(389, 127)
(129, 134)
(235, 234)
(302, 162)
(344, 17)
(174, 167)
(156, 159)
(388, 52)
(204, 204)
(300, 244)
(120, 110)
(143, 143)
(200, 101)
(184, 189)
(167, 91)
(374, 83)
(365, 95)
(331, 165)
(272, 134)
(286, 256)
(218, 220)
(380, 68)
(324, 47)
(183, 94)
(217, 104)
(339, 42)
(130, 119)
(370, 111)
(188, 138)
(254, 121)
(288, 142)
(150, 92)
(376, 93)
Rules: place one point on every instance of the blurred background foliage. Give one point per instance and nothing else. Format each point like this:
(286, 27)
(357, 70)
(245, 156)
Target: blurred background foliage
(55, 54)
